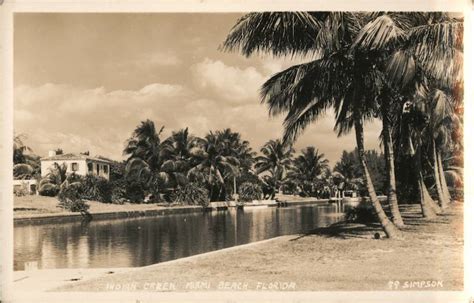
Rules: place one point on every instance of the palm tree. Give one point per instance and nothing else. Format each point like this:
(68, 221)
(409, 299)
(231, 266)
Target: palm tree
(215, 166)
(176, 154)
(430, 56)
(56, 176)
(345, 76)
(144, 159)
(235, 146)
(276, 160)
(19, 148)
(347, 172)
(309, 170)
(340, 78)
(25, 165)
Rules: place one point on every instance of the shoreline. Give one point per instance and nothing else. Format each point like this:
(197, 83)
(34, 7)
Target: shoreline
(136, 210)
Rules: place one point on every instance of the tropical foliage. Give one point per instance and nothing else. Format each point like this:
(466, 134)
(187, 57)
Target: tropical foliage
(366, 66)
(250, 191)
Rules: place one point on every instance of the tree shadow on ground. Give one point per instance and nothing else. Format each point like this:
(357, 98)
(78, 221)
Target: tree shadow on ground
(345, 230)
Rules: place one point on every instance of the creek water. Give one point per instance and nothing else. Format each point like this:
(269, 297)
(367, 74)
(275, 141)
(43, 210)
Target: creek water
(144, 241)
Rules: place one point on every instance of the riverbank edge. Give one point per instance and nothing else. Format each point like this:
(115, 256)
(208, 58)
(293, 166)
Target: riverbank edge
(65, 217)
(58, 279)
(453, 217)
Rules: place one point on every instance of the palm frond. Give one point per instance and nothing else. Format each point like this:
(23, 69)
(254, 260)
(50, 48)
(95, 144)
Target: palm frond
(378, 34)
(279, 33)
(400, 69)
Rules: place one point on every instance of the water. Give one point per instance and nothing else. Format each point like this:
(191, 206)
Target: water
(147, 240)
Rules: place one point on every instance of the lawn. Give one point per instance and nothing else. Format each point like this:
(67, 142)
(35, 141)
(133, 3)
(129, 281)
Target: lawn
(32, 205)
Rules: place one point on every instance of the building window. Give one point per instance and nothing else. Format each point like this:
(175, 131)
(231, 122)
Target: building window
(106, 169)
(74, 166)
(97, 168)
(89, 167)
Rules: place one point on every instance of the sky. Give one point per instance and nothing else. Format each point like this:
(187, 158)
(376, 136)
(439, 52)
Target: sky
(83, 82)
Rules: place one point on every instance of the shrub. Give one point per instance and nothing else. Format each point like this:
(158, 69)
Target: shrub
(119, 192)
(249, 192)
(70, 197)
(362, 213)
(135, 192)
(96, 188)
(48, 189)
(191, 194)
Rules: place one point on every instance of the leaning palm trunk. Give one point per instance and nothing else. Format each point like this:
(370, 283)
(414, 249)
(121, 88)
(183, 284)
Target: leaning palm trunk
(390, 162)
(439, 190)
(428, 208)
(442, 177)
(389, 228)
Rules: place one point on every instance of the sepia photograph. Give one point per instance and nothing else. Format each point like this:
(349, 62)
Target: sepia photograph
(218, 152)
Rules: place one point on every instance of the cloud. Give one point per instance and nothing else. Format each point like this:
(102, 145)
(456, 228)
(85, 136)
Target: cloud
(231, 83)
(78, 119)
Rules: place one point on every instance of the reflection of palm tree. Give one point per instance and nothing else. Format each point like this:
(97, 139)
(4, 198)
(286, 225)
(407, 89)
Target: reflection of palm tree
(276, 160)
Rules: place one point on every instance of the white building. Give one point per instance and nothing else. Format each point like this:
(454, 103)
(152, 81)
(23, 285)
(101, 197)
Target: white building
(78, 163)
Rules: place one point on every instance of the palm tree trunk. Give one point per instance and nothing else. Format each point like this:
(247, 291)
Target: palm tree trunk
(390, 163)
(439, 190)
(426, 201)
(442, 177)
(389, 228)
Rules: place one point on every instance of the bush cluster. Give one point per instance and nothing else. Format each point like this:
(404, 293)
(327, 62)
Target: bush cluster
(49, 190)
(192, 194)
(70, 197)
(96, 188)
(249, 192)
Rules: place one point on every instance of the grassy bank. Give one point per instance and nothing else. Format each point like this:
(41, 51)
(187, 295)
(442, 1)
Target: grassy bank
(341, 257)
(33, 205)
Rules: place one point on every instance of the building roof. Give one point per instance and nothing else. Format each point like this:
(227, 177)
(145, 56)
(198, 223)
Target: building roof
(71, 156)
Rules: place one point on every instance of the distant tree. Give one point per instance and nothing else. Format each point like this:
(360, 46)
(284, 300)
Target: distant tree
(19, 149)
(217, 165)
(276, 160)
(350, 172)
(310, 171)
(144, 161)
(53, 180)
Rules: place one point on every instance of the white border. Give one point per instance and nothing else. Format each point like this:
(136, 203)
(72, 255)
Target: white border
(6, 113)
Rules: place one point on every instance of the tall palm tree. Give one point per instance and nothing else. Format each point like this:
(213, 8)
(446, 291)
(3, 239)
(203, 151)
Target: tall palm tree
(215, 166)
(345, 76)
(276, 160)
(176, 154)
(144, 160)
(341, 78)
(430, 56)
(309, 170)
(235, 146)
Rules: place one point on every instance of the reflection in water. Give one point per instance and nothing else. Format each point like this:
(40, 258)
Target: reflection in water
(149, 240)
